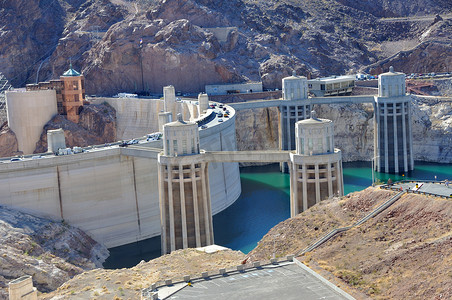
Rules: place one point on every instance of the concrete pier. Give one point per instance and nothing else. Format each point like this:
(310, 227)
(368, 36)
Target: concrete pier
(293, 108)
(315, 166)
(22, 289)
(28, 112)
(393, 138)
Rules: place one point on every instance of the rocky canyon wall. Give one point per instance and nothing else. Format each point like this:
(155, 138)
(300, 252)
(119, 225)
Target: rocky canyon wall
(97, 125)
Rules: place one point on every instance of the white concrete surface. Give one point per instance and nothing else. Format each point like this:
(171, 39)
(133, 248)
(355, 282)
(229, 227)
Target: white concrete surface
(28, 112)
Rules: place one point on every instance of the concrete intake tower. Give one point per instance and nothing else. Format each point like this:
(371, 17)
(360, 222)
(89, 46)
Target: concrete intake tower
(393, 145)
(184, 193)
(294, 107)
(315, 166)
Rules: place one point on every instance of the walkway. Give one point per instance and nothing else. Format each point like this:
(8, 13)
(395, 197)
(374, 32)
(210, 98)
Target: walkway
(286, 280)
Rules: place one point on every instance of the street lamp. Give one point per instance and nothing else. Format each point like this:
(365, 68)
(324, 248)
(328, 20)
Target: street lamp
(374, 163)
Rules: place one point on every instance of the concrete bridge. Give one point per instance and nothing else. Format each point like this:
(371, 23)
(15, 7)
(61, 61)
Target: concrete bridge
(269, 156)
(309, 101)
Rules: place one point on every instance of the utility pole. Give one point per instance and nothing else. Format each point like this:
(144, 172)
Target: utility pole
(141, 64)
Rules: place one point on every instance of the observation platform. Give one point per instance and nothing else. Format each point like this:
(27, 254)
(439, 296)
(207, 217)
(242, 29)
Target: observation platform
(434, 188)
(290, 280)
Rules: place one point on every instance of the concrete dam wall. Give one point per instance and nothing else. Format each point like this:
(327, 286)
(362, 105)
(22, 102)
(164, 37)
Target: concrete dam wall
(111, 193)
(136, 117)
(110, 196)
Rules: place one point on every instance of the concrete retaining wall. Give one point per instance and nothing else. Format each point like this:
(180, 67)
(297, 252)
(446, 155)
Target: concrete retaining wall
(28, 112)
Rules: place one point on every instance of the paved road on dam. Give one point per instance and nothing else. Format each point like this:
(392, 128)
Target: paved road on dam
(282, 281)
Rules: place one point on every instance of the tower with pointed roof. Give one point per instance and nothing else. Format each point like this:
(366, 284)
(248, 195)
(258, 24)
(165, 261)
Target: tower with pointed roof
(70, 92)
(73, 94)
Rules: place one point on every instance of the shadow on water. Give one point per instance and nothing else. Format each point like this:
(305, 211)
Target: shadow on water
(264, 202)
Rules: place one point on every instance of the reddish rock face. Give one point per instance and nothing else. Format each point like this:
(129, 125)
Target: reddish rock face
(141, 46)
(8, 142)
(97, 125)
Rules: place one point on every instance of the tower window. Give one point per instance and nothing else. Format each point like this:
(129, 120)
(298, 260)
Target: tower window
(175, 146)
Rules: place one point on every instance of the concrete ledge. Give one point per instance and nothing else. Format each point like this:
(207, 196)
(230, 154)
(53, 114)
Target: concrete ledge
(168, 291)
(212, 248)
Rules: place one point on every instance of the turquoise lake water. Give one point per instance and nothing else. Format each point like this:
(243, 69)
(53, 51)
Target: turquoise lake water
(264, 202)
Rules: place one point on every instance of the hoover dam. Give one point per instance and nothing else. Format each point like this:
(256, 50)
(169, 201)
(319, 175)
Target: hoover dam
(111, 191)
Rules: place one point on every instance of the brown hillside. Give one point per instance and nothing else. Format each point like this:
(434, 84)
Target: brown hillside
(403, 253)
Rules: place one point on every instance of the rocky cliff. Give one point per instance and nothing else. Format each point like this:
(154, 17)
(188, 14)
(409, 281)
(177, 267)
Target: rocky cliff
(257, 129)
(432, 130)
(8, 142)
(52, 252)
(97, 125)
(142, 45)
